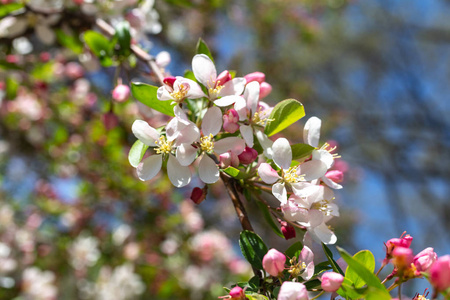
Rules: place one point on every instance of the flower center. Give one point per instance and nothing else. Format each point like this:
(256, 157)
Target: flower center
(260, 118)
(323, 206)
(291, 175)
(214, 88)
(180, 94)
(296, 267)
(165, 146)
(207, 143)
(330, 149)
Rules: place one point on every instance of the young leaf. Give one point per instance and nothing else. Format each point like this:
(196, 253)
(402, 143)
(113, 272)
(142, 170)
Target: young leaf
(136, 153)
(301, 150)
(146, 94)
(366, 258)
(235, 173)
(333, 264)
(124, 37)
(253, 248)
(202, 48)
(294, 250)
(360, 269)
(283, 115)
(71, 42)
(313, 284)
(97, 42)
(267, 216)
(6, 9)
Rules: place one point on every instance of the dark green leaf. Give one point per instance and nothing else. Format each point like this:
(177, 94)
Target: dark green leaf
(9, 66)
(183, 3)
(268, 217)
(136, 153)
(100, 46)
(301, 150)
(253, 248)
(70, 42)
(333, 264)
(283, 115)
(6, 9)
(202, 48)
(313, 284)
(294, 250)
(123, 37)
(366, 258)
(323, 266)
(146, 94)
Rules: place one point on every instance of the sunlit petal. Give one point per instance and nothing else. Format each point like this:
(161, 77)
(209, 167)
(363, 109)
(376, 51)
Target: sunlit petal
(149, 167)
(267, 173)
(233, 144)
(179, 175)
(247, 134)
(208, 170)
(145, 133)
(212, 121)
(204, 69)
(311, 131)
(282, 153)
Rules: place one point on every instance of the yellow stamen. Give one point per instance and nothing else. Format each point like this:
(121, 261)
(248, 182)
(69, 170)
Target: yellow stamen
(291, 175)
(259, 119)
(323, 206)
(207, 143)
(164, 146)
(214, 88)
(296, 268)
(330, 149)
(179, 95)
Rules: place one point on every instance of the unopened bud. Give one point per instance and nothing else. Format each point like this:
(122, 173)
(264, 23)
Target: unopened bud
(331, 281)
(403, 241)
(121, 93)
(335, 175)
(288, 231)
(255, 76)
(169, 81)
(110, 120)
(293, 291)
(44, 56)
(402, 257)
(273, 262)
(223, 77)
(424, 259)
(230, 119)
(264, 90)
(248, 156)
(198, 194)
(440, 273)
(228, 159)
(237, 293)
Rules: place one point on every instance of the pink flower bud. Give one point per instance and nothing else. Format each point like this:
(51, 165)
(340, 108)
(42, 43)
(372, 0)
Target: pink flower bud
(169, 81)
(230, 119)
(237, 293)
(264, 90)
(74, 70)
(228, 159)
(288, 231)
(44, 56)
(402, 257)
(403, 241)
(121, 93)
(293, 291)
(110, 120)
(255, 76)
(335, 175)
(198, 194)
(423, 260)
(273, 262)
(248, 156)
(331, 281)
(440, 273)
(223, 78)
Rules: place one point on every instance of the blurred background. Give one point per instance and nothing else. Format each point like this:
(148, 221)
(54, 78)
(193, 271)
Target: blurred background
(376, 73)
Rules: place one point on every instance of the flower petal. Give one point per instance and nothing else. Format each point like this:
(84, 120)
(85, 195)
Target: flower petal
(195, 91)
(282, 153)
(227, 100)
(307, 256)
(331, 183)
(279, 191)
(149, 167)
(163, 94)
(323, 234)
(204, 69)
(212, 121)
(208, 170)
(179, 175)
(233, 144)
(251, 93)
(145, 133)
(267, 173)
(233, 87)
(311, 131)
(188, 134)
(266, 143)
(312, 169)
(241, 107)
(323, 156)
(247, 134)
(186, 154)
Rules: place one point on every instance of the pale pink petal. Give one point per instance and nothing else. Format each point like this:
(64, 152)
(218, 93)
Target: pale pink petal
(195, 91)
(266, 143)
(204, 69)
(293, 212)
(323, 156)
(234, 87)
(180, 114)
(279, 191)
(251, 93)
(282, 153)
(188, 134)
(307, 256)
(186, 154)
(315, 218)
(241, 107)
(247, 134)
(323, 234)
(179, 175)
(331, 183)
(149, 167)
(173, 129)
(311, 131)
(267, 173)
(233, 144)
(208, 170)
(312, 169)
(212, 121)
(163, 94)
(305, 189)
(227, 100)
(145, 133)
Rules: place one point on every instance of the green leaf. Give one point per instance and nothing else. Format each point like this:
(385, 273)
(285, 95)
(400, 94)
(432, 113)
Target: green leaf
(124, 37)
(235, 173)
(256, 297)
(202, 48)
(366, 258)
(294, 250)
(283, 115)
(268, 217)
(70, 42)
(347, 290)
(301, 150)
(360, 269)
(6, 9)
(313, 284)
(253, 248)
(136, 153)
(9, 66)
(190, 75)
(146, 94)
(323, 266)
(333, 264)
(100, 46)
